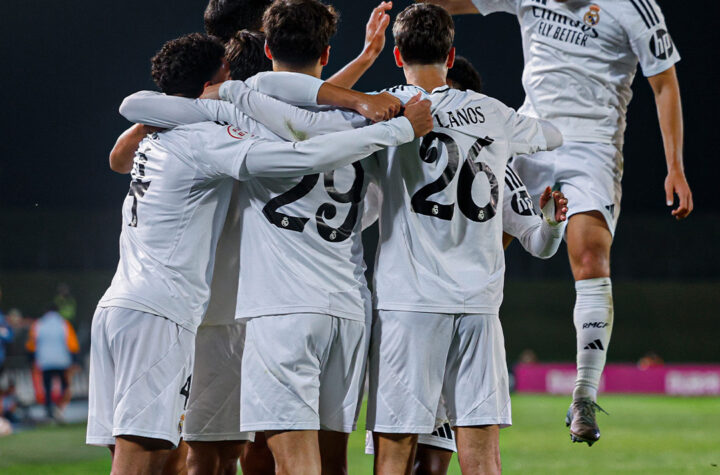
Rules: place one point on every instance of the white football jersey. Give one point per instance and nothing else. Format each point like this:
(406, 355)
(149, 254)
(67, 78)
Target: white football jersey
(179, 193)
(441, 220)
(276, 244)
(581, 57)
(301, 247)
(223, 288)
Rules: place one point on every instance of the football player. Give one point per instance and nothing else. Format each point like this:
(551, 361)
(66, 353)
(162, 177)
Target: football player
(580, 60)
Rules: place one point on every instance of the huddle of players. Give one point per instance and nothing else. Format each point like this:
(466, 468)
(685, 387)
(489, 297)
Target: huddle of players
(288, 245)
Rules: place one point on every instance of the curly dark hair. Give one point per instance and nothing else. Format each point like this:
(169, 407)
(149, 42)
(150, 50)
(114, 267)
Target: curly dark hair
(246, 54)
(298, 31)
(224, 18)
(464, 76)
(424, 34)
(184, 65)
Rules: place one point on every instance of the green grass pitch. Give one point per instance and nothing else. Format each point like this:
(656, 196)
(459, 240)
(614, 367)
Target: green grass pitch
(643, 435)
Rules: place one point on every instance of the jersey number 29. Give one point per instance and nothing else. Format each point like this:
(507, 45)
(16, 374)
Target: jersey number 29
(325, 211)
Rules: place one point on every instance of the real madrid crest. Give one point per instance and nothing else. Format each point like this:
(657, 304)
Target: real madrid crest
(592, 17)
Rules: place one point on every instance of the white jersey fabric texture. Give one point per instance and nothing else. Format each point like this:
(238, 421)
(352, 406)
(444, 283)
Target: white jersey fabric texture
(581, 58)
(301, 234)
(172, 218)
(441, 221)
(140, 368)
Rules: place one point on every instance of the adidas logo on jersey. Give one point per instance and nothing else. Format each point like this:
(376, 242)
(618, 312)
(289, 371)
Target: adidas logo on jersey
(594, 345)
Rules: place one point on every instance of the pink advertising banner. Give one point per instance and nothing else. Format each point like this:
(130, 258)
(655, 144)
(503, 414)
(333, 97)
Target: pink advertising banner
(678, 380)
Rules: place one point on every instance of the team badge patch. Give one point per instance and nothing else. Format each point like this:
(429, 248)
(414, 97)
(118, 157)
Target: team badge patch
(236, 133)
(592, 17)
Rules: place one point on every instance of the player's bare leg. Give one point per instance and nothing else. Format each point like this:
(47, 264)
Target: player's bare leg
(479, 449)
(176, 463)
(589, 241)
(333, 451)
(431, 460)
(218, 458)
(394, 453)
(256, 458)
(139, 455)
(296, 452)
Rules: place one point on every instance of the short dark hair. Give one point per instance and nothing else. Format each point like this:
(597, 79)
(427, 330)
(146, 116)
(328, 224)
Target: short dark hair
(424, 34)
(464, 75)
(298, 31)
(224, 18)
(184, 65)
(246, 54)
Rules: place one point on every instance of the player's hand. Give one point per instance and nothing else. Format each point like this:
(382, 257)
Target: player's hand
(211, 92)
(560, 209)
(676, 184)
(379, 107)
(418, 113)
(375, 30)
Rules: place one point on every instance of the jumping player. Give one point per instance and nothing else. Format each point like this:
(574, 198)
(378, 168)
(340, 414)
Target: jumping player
(580, 60)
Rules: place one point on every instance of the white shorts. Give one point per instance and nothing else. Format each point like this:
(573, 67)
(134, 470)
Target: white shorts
(140, 367)
(213, 411)
(302, 372)
(417, 358)
(442, 437)
(589, 174)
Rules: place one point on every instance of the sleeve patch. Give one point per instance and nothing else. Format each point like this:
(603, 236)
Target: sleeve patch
(661, 45)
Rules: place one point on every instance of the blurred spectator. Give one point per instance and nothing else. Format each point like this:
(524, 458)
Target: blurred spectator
(6, 336)
(65, 302)
(54, 346)
(9, 403)
(650, 360)
(528, 356)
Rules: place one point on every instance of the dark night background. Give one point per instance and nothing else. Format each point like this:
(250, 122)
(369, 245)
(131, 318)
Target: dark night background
(68, 65)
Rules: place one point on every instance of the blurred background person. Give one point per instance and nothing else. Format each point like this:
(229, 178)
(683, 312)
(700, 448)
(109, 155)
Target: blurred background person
(54, 346)
(65, 302)
(6, 337)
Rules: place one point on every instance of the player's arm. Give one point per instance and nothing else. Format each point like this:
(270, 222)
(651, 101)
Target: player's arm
(539, 235)
(657, 54)
(484, 7)
(307, 124)
(543, 239)
(339, 149)
(254, 157)
(122, 154)
(669, 107)
(374, 107)
(529, 135)
(374, 44)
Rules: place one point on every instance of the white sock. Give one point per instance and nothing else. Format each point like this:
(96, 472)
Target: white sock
(593, 319)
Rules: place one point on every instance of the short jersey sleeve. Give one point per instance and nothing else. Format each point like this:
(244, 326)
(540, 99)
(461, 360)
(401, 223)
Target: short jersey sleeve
(485, 7)
(220, 149)
(519, 215)
(524, 134)
(649, 38)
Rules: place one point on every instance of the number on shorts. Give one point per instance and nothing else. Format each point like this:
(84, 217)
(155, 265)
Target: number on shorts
(185, 391)
(137, 186)
(430, 150)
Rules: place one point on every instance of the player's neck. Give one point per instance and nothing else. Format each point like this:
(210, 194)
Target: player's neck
(314, 70)
(426, 76)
